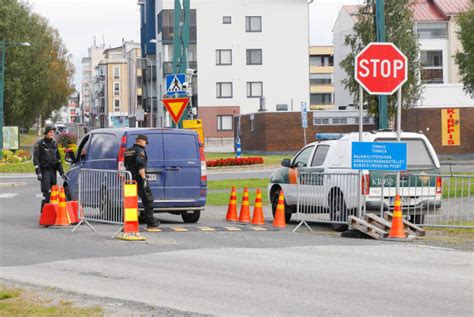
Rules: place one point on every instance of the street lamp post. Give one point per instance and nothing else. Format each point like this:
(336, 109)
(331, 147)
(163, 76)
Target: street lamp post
(160, 111)
(3, 47)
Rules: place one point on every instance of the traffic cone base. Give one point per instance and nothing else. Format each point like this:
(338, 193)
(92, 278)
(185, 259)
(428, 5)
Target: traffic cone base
(397, 231)
(48, 215)
(244, 209)
(232, 209)
(258, 218)
(279, 220)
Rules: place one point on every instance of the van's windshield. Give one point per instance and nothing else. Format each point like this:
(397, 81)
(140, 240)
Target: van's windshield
(418, 155)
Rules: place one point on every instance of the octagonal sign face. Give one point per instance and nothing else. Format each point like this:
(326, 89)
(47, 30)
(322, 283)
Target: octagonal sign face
(381, 68)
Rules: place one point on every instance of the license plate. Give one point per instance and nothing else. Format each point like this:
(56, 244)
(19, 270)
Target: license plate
(405, 201)
(151, 177)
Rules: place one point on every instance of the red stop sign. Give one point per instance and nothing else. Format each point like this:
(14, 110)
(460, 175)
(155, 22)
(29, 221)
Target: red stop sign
(381, 68)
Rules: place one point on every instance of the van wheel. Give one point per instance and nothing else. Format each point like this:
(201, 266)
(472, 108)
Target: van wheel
(191, 217)
(417, 219)
(288, 210)
(338, 211)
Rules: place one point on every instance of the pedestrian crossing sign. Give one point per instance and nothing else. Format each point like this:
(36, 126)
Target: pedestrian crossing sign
(174, 84)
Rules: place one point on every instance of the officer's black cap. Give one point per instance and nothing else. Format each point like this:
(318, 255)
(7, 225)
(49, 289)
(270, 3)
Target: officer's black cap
(49, 128)
(142, 137)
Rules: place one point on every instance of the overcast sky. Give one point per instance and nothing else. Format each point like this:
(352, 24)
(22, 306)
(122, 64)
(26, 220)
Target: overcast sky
(79, 21)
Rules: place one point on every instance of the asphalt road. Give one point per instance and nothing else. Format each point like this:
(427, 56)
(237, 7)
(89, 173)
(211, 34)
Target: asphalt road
(233, 273)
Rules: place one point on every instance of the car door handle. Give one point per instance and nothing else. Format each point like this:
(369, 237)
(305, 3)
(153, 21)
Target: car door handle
(173, 168)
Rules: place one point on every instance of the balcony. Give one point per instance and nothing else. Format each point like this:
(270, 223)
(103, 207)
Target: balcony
(168, 67)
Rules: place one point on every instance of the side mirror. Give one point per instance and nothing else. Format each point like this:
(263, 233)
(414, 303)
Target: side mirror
(286, 162)
(69, 158)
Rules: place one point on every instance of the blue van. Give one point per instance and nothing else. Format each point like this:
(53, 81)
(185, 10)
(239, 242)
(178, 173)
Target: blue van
(176, 168)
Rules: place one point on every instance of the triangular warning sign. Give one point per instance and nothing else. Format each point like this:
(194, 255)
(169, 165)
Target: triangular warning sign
(175, 107)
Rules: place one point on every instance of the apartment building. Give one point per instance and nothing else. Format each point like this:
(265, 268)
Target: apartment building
(435, 24)
(89, 102)
(249, 56)
(321, 73)
(116, 85)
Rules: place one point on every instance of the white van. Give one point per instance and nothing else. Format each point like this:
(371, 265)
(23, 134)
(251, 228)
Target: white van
(334, 157)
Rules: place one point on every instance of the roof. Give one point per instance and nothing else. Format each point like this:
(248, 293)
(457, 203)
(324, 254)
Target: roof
(426, 10)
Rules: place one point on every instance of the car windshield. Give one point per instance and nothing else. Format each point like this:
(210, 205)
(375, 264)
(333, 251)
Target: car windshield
(418, 155)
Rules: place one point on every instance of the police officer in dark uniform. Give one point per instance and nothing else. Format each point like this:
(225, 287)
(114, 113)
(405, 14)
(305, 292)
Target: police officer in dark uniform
(135, 162)
(47, 162)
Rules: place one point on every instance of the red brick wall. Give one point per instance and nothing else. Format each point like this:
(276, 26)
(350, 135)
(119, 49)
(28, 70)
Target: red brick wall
(282, 132)
(209, 120)
(428, 121)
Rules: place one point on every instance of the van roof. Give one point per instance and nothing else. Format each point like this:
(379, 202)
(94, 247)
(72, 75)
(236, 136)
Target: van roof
(121, 131)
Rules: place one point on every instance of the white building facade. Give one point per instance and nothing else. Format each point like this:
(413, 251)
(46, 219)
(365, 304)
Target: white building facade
(247, 53)
(435, 24)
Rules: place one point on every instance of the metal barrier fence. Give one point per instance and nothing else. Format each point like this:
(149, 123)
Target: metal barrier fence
(101, 195)
(326, 197)
(427, 200)
(433, 200)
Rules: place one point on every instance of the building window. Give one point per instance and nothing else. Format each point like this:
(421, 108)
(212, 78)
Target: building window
(320, 79)
(223, 57)
(253, 24)
(254, 89)
(437, 30)
(116, 89)
(224, 90)
(321, 99)
(254, 57)
(321, 60)
(432, 67)
(116, 72)
(116, 105)
(224, 123)
(226, 20)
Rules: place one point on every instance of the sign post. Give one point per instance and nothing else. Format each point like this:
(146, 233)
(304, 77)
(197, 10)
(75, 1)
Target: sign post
(304, 119)
(381, 69)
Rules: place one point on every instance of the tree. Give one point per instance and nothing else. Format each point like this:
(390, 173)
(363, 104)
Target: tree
(465, 59)
(38, 79)
(399, 28)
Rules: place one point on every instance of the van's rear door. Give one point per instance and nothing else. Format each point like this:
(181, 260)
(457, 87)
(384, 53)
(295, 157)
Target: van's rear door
(182, 166)
(155, 166)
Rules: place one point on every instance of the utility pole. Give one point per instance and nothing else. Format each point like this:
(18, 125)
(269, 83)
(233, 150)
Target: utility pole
(380, 29)
(181, 42)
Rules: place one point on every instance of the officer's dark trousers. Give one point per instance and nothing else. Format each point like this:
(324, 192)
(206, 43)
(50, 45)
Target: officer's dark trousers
(147, 199)
(49, 179)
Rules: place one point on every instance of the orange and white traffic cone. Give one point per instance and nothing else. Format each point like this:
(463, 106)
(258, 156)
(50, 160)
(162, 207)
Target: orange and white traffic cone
(279, 220)
(62, 216)
(397, 230)
(244, 209)
(130, 216)
(232, 209)
(257, 209)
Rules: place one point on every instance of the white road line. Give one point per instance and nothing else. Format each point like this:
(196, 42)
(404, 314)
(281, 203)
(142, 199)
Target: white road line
(8, 195)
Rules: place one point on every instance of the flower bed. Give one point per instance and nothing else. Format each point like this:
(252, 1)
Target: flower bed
(235, 161)
(15, 156)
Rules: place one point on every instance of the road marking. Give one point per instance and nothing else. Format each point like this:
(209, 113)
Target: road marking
(8, 195)
(179, 229)
(259, 229)
(39, 195)
(233, 228)
(215, 229)
(206, 229)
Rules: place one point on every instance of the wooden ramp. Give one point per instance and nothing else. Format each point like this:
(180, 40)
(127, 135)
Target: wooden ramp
(379, 228)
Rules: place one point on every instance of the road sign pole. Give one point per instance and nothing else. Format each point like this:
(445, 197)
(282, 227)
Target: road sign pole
(380, 30)
(361, 130)
(399, 129)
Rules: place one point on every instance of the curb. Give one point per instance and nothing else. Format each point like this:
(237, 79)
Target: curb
(15, 184)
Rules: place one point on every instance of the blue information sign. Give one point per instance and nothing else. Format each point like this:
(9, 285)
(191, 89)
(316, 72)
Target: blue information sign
(382, 156)
(174, 84)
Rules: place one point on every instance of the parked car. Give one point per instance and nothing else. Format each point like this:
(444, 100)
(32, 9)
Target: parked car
(334, 157)
(176, 168)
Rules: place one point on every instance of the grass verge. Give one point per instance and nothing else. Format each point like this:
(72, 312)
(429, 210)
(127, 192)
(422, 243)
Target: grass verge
(222, 199)
(15, 302)
(23, 167)
(29, 139)
(239, 184)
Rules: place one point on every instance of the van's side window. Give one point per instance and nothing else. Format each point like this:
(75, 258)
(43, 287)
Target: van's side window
(102, 147)
(82, 150)
(320, 155)
(180, 147)
(301, 160)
